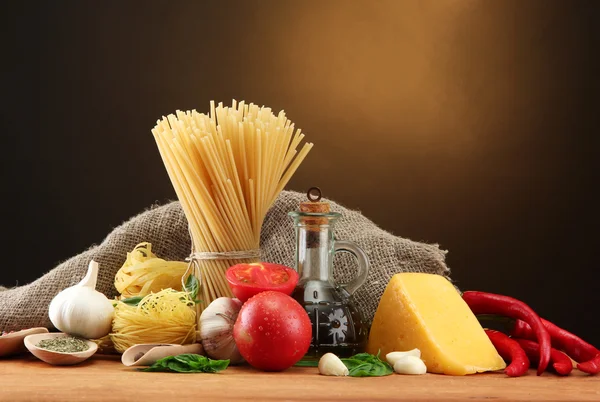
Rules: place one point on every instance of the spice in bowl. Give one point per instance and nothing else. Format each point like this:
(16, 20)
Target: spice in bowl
(67, 344)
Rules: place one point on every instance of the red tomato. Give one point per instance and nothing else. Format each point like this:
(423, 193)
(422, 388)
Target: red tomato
(247, 280)
(272, 331)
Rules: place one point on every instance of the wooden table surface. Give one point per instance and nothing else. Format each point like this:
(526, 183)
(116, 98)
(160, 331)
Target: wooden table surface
(104, 378)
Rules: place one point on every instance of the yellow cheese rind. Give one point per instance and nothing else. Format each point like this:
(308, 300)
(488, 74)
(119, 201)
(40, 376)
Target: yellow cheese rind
(425, 311)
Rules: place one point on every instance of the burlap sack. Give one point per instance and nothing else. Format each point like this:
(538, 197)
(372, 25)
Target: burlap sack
(166, 228)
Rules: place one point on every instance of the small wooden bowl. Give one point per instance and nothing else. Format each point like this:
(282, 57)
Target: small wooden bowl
(57, 358)
(12, 344)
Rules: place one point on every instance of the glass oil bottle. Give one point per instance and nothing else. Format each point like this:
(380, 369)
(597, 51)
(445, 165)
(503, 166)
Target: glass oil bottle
(338, 326)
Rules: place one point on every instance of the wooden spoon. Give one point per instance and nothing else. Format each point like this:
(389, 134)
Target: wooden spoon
(146, 354)
(12, 344)
(57, 358)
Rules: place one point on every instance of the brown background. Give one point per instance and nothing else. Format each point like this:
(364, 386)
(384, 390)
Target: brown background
(472, 124)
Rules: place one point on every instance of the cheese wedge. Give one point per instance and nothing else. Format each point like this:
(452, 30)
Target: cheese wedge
(425, 311)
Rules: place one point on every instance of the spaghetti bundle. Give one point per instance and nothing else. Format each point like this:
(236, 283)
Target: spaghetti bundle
(143, 272)
(163, 317)
(227, 169)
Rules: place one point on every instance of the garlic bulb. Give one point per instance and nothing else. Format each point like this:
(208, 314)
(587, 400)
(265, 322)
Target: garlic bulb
(216, 329)
(82, 311)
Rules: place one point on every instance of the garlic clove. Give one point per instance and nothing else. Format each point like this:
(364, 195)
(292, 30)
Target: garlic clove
(330, 364)
(393, 357)
(410, 365)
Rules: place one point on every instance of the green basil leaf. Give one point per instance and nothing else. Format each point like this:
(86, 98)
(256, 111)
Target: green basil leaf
(180, 367)
(362, 370)
(367, 365)
(352, 363)
(192, 359)
(367, 357)
(188, 363)
(307, 363)
(133, 301)
(218, 365)
(191, 286)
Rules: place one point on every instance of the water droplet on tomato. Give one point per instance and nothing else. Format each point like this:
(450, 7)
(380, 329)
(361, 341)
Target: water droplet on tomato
(266, 318)
(260, 328)
(267, 334)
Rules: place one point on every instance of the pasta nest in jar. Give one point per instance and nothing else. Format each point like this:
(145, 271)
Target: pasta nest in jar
(167, 316)
(143, 272)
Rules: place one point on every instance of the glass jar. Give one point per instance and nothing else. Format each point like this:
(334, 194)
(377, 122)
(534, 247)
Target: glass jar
(338, 326)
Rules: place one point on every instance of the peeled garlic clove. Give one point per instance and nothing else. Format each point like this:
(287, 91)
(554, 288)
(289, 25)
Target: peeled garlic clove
(330, 364)
(393, 357)
(410, 365)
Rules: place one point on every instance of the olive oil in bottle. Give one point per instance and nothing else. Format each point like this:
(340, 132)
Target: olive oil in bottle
(338, 326)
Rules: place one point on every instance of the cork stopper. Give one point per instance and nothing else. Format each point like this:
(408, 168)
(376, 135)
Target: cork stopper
(315, 206)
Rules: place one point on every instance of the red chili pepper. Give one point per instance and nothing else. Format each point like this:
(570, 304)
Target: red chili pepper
(587, 356)
(591, 366)
(560, 361)
(490, 303)
(511, 351)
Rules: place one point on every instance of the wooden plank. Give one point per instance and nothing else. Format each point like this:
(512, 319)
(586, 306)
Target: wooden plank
(105, 378)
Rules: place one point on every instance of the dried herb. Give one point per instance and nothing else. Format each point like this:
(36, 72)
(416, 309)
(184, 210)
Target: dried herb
(188, 363)
(367, 365)
(68, 344)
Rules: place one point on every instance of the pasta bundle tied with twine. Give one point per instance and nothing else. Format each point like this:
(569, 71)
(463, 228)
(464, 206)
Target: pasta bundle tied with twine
(227, 169)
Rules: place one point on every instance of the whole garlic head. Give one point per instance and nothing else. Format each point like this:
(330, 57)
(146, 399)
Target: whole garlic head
(216, 329)
(81, 310)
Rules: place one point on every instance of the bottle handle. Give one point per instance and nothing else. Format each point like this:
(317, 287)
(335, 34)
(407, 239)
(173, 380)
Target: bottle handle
(363, 264)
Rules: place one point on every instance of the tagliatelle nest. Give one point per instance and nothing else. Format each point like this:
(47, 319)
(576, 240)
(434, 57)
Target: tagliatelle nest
(143, 272)
(164, 317)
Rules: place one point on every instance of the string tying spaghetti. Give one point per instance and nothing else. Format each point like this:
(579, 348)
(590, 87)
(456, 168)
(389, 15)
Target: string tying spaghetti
(196, 256)
(224, 255)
